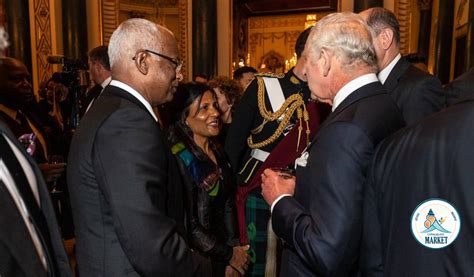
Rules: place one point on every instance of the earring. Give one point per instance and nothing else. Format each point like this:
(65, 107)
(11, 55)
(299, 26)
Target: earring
(186, 122)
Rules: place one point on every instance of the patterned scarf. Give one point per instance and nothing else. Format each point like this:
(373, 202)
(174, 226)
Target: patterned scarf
(203, 172)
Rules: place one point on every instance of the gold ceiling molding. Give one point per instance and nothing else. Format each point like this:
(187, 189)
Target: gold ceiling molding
(152, 2)
(276, 22)
(403, 11)
(135, 8)
(258, 40)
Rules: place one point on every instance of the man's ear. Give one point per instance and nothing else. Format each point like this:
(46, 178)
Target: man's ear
(142, 63)
(386, 36)
(325, 61)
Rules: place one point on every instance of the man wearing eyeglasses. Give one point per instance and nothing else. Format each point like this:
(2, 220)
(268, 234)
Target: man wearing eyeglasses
(126, 197)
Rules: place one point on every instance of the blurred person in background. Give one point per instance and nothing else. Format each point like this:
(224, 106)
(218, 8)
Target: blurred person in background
(99, 70)
(244, 75)
(228, 92)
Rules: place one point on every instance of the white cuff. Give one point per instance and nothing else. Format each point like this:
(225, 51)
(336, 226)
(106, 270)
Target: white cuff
(278, 199)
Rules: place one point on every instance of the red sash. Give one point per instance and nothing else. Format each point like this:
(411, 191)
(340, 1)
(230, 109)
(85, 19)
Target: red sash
(284, 154)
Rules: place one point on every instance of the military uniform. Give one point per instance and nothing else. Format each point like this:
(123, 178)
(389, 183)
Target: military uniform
(246, 161)
(248, 118)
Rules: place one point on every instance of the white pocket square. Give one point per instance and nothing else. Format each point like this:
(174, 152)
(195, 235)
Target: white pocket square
(302, 160)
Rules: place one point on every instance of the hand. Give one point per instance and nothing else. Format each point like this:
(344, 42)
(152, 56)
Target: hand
(274, 185)
(231, 272)
(240, 259)
(51, 172)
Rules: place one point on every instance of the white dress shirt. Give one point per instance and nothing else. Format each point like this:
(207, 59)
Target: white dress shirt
(383, 74)
(352, 86)
(105, 83)
(136, 94)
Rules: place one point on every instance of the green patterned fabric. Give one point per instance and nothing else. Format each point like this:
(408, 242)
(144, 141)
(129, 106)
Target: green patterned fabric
(257, 214)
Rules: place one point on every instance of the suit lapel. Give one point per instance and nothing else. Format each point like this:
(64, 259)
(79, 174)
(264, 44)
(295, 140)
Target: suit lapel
(17, 251)
(395, 75)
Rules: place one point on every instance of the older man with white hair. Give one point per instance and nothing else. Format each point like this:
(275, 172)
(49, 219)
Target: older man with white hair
(125, 190)
(320, 219)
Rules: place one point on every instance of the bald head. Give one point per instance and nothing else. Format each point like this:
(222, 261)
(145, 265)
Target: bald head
(15, 86)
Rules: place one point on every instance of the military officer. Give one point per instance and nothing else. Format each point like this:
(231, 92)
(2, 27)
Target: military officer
(272, 117)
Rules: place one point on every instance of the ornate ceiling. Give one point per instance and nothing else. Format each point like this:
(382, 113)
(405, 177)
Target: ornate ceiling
(152, 2)
(260, 7)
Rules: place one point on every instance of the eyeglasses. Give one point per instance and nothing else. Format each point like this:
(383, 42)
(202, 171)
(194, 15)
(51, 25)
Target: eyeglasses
(178, 63)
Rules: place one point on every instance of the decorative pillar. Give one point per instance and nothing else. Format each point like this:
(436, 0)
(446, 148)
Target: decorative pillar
(442, 58)
(18, 28)
(360, 5)
(204, 37)
(74, 29)
(425, 27)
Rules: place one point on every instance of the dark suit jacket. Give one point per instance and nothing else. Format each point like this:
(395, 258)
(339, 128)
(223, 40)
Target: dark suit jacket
(17, 252)
(460, 88)
(432, 159)
(416, 92)
(321, 225)
(126, 194)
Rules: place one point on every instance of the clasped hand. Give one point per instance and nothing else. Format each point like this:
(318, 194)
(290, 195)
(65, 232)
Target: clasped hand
(275, 184)
(239, 261)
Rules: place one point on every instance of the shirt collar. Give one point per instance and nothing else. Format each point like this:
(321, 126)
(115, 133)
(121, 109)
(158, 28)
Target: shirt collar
(383, 74)
(352, 86)
(134, 93)
(106, 82)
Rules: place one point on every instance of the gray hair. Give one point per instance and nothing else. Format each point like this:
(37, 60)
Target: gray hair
(347, 36)
(132, 35)
(380, 18)
(3, 39)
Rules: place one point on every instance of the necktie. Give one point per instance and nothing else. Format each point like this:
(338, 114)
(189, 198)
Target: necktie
(24, 188)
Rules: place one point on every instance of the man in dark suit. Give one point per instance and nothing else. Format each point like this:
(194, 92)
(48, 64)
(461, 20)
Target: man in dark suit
(126, 197)
(320, 220)
(30, 241)
(417, 93)
(18, 112)
(430, 162)
(99, 70)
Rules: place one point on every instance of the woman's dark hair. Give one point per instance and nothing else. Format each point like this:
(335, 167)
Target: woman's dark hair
(179, 131)
(230, 88)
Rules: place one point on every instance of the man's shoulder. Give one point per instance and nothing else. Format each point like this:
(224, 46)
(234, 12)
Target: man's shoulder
(414, 75)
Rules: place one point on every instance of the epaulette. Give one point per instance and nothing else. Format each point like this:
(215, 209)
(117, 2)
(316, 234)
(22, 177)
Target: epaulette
(271, 75)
